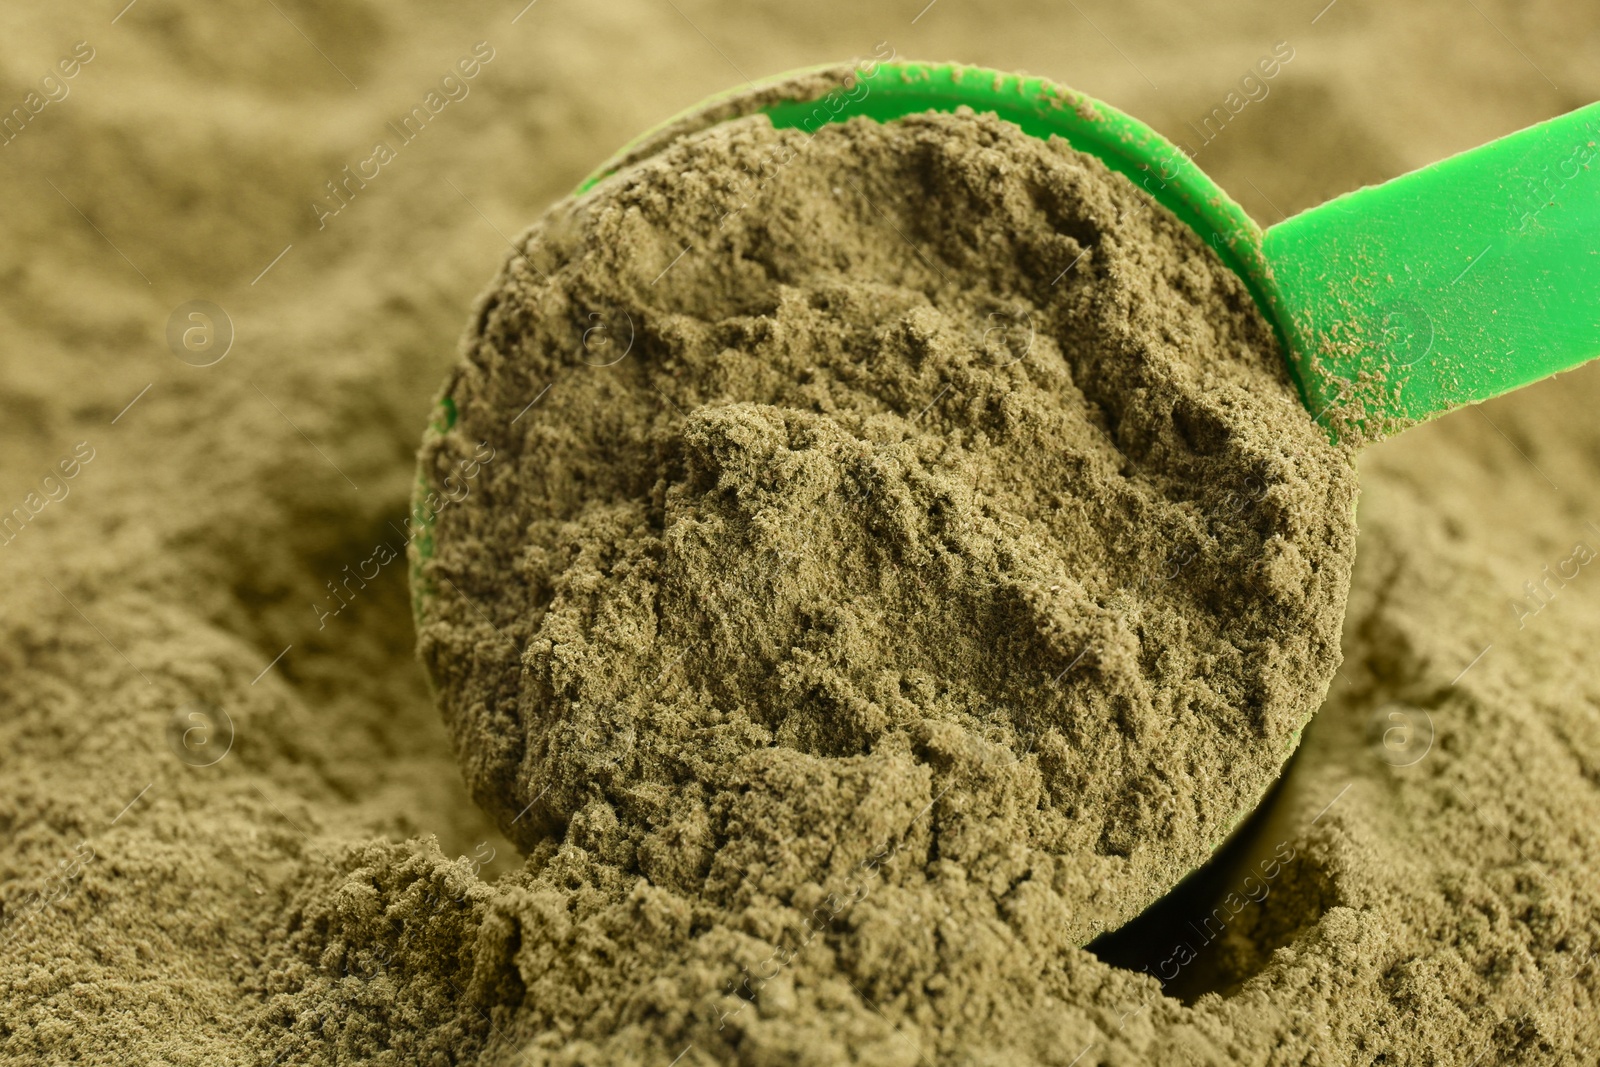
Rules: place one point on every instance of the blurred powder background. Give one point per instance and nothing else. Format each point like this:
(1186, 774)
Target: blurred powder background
(1457, 905)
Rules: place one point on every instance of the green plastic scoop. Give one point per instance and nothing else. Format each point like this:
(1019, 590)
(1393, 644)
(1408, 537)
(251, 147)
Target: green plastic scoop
(1395, 303)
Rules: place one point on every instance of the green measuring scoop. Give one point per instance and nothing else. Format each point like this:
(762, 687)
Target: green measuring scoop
(1395, 303)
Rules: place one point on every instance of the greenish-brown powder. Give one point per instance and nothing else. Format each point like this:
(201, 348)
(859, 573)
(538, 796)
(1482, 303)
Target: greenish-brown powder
(326, 893)
(912, 512)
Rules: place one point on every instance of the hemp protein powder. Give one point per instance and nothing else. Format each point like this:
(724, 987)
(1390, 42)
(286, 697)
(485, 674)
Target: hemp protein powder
(903, 551)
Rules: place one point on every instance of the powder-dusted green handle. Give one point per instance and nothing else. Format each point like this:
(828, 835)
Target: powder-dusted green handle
(1448, 285)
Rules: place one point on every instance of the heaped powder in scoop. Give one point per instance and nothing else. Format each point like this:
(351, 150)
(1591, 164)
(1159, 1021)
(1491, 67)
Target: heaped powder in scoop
(910, 505)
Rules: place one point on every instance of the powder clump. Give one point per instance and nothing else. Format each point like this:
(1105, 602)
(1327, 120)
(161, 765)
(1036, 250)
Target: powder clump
(902, 525)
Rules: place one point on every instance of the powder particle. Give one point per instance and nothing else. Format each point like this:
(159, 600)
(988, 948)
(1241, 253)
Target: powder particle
(939, 513)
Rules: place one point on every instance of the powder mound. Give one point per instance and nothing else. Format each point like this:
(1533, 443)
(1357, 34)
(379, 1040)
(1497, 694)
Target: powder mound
(914, 485)
(387, 959)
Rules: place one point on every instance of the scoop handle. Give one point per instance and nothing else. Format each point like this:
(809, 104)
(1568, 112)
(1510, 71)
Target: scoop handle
(1448, 285)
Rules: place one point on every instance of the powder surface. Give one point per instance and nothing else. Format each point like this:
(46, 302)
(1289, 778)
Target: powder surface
(915, 486)
(327, 893)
